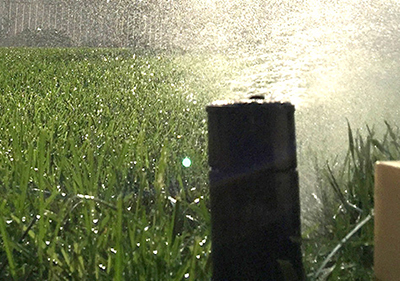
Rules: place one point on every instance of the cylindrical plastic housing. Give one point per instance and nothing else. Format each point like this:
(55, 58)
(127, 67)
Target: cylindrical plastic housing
(254, 191)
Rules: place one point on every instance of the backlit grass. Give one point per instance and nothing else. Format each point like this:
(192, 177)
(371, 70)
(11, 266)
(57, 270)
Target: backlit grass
(343, 249)
(91, 180)
(95, 180)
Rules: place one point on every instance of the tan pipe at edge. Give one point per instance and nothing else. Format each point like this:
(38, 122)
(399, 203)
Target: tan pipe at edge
(387, 221)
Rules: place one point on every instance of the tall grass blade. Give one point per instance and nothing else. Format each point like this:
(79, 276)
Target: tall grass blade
(119, 259)
(341, 243)
(7, 245)
(351, 141)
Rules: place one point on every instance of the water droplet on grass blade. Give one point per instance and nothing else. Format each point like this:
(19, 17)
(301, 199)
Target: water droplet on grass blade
(172, 200)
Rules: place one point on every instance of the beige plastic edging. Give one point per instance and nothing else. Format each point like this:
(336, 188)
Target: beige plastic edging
(387, 221)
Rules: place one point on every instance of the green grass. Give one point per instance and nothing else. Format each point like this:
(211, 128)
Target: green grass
(91, 181)
(341, 246)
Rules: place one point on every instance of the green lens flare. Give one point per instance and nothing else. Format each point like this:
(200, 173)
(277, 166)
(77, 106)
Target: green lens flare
(186, 162)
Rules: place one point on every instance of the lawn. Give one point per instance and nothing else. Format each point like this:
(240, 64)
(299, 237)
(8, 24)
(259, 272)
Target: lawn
(92, 182)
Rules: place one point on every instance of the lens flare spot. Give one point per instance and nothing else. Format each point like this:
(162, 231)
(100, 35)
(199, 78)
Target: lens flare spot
(186, 162)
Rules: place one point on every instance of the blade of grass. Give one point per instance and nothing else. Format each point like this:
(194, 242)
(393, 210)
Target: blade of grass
(118, 241)
(340, 244)
(7, 244)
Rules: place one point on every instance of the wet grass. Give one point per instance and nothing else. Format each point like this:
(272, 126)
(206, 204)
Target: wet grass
(341, 244)
(91, 179)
